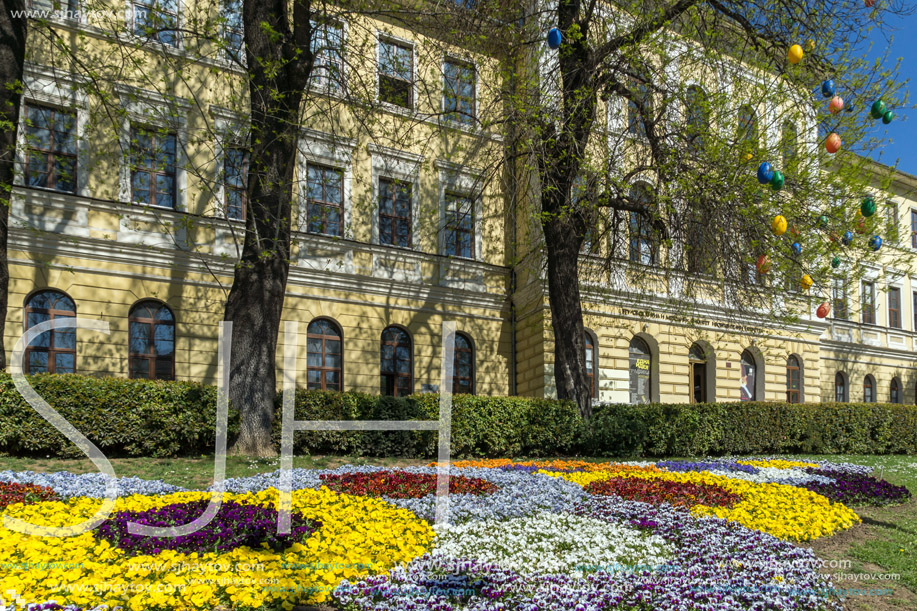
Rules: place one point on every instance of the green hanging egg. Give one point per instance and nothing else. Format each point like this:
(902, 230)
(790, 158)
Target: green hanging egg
(868, 207)
(836, 262)
(777, 181)
(888, 117)
(878, 109)
(823, 221)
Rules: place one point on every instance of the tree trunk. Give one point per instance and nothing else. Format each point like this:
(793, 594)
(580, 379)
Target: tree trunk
(12, 58)
(279, 61)
(562, 242)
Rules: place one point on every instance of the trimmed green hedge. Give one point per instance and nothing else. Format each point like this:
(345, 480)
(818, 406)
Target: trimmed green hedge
(159, 419)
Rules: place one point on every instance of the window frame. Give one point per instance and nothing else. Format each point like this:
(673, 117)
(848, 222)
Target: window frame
(385, 39)
(840, 383)
(471, 352)
(793, 370)
(454, 115)
(154, 133)
(895, 388)
(643, 237)
(394, 374)
(155, 7)
(321, 78)
(51, 155)
(393, 218)
(323, 369)
(53, 313)
(868, 302)
(590, 342)
(152, 357)
(241, 190)
(839, 298)
(914, 228)
(324, 204)
(452, 228)
(869, 384)
(894, 313)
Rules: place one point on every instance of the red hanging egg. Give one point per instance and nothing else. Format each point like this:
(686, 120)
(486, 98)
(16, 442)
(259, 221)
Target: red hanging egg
(836, 104)
(764, 264)
(861, 225)
(823, 310)
(833, 143)
(869, 3)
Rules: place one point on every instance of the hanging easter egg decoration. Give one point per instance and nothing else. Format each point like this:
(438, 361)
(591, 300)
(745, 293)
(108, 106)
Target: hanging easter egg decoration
(794, 231)
(794, 55)
(763, 264)
(850, 108)
(847, 239)
(836, 104)
(827, 88)
(777, 181)
(810, 45)
(888, 117)
(878, 109)
(833, 143)
(554, 38)
(806, 282)
(875, 242)
(779, 225)
(869, 3)
(797, 248)
(836, 262)
(765, 173)
(823, 221)
(823, 310)
(868, 207)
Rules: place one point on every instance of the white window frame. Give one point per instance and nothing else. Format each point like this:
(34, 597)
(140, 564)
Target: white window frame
(149, 108)
(475, 120)
(396, 165)
(223, 35)
(179, 22)
(388, 37)
(468, 182)
(325, 88)
(45, 86)
(230, 130)
(325, 149)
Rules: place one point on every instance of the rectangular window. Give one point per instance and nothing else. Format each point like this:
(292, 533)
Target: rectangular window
(635, 124)
(894, 307)
(50, 139)
(459, 238)
(394, 212)
(325, 195)
(913, 228)
(152, 167)
(235, 177)
(869, 303)
(459, 92)
(892, 219)
(328, 48)
(915, 310)
(839, 298)
(233, 30)
(396, 74)
(157, 20)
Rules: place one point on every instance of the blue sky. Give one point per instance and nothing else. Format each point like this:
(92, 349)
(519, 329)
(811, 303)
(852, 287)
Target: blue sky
(902, 131)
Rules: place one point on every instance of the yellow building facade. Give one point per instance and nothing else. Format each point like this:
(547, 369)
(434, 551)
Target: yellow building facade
(127, 210)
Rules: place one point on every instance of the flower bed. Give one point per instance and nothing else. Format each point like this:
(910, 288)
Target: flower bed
(11, 492)
(555, 536)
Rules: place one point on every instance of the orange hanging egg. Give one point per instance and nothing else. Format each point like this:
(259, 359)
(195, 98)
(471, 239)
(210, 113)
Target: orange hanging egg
(823, 310)
(833, 143)
(836, 104)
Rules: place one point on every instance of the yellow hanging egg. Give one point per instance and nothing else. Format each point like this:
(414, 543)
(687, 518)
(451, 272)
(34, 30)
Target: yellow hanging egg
(806, 282)
(810, 45)
(779, 225)
(794, 55)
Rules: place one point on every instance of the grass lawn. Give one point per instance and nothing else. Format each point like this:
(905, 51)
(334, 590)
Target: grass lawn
(884, 545)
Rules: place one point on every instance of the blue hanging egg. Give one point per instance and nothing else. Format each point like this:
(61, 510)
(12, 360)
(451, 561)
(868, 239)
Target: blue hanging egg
(828, 89)
(875, 242)
(765, 173)
(848, 238)
(554, 38)
(797, 248)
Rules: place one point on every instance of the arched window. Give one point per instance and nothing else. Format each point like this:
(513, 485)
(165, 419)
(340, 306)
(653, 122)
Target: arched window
(789, 138)
(152, 341)
(748, 391)
(869, 389)
(793, 380)
(324, 356)
(840, 387)
(397, 364)
(894, 391)
(52, 351)
(697, 117)
(591, 363)
(697, 367)
(642, 246)
(641, 371)
(747, 135)
(463, 365)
